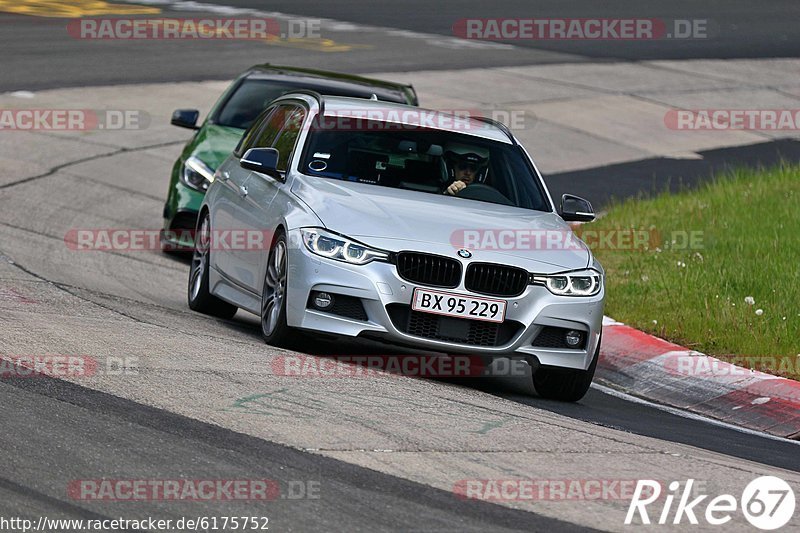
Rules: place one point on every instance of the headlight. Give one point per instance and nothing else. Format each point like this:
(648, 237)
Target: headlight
(582, 283)
(196, 174)
(333, 246)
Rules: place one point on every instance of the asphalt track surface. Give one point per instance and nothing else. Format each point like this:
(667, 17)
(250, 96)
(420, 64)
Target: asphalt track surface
(117, 437)
(55, 430)
(39, 53)
(738, 28)
(649, 177)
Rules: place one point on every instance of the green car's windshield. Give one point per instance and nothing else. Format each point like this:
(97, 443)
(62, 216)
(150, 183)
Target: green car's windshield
(424, 160)
(247, 102)
(252, 96)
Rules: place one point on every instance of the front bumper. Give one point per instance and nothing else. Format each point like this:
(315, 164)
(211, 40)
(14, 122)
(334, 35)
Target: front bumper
(180, 216)
(385, 295)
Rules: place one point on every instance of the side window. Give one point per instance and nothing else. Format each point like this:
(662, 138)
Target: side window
(272, 127)
(290, 122)
(248, 140)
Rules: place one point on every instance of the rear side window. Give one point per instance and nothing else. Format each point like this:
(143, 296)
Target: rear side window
(266, 130)
(278, 128)
(271, 127)
(291, 122)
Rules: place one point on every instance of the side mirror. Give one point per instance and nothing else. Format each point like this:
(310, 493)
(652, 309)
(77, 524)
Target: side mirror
(185, 118)
(576, 209)
(263, 160)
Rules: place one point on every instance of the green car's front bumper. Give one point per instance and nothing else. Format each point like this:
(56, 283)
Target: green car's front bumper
(211, 145)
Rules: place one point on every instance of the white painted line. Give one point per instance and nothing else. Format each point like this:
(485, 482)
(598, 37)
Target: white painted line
(608, 321)
(687, 414)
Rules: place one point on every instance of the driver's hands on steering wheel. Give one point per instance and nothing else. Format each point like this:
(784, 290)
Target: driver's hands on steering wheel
(455, 187)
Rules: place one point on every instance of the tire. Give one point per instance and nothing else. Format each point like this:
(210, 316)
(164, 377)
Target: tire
(565, 385)
(274, 329)
(199, 298)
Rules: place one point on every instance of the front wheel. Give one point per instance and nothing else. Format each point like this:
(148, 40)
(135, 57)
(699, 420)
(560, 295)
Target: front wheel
(200, 299)
(273, 296)
(565, 385)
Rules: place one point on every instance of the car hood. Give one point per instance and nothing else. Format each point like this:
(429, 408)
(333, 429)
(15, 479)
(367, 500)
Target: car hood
(215, 143)
(397, 219)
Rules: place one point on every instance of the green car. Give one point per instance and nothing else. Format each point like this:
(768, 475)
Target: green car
(234, 112)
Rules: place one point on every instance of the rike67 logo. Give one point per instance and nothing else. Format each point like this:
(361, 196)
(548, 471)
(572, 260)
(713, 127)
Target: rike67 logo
(767, 502)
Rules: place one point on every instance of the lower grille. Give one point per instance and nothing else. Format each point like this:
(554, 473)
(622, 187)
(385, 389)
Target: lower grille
(184, 220)
(180, 235)
(451, 329)
(474, 332)
(552, 337)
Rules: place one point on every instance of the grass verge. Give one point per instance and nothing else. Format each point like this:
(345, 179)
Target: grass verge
(720, 272)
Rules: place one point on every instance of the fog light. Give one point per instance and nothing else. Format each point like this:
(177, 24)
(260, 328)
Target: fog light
(573, 338)
(322, 300)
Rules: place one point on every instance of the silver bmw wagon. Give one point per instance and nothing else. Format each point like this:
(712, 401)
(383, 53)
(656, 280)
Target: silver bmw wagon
(420, 228)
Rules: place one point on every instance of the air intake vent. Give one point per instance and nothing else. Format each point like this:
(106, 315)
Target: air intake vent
(456, 330)
(552, 337)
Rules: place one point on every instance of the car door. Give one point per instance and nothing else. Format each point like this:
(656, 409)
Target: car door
(262, 208)
(229, 207)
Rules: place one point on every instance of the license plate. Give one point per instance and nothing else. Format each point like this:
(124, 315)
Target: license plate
(458, 305)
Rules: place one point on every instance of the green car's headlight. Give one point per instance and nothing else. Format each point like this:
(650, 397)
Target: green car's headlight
(333, 246)
(580, 283)
(196, 174)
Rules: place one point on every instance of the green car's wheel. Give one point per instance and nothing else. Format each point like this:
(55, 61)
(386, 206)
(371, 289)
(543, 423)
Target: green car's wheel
(273, 296)
(200, 299)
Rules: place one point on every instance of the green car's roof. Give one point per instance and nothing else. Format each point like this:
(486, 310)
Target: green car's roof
(321, 79)
(214, 142)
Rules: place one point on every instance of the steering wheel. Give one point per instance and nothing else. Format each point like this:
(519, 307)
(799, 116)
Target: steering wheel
(483, 192)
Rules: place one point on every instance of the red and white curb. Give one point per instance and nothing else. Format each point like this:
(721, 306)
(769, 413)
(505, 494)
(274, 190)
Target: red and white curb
(648, 367)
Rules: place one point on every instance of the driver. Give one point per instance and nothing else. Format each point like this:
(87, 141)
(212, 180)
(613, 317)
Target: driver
(465, 165)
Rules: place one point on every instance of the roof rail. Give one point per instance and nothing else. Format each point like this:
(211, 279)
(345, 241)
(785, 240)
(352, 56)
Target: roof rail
(499, 125)
(308, 92)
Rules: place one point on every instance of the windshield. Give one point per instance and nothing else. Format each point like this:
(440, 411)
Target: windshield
(247, 102)
(424, 160)
(252, 96)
